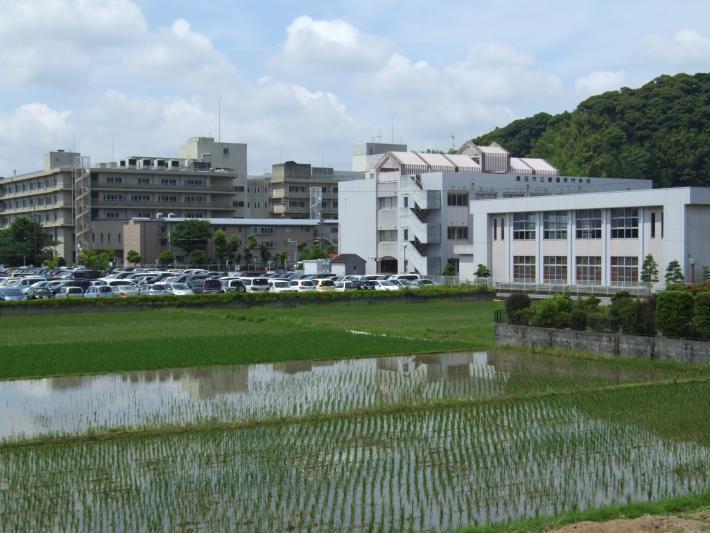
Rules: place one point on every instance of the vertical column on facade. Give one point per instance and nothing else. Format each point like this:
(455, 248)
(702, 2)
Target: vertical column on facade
(508, 221)
(642, 238)
(606, 262)
(539, 272)
(571, 253)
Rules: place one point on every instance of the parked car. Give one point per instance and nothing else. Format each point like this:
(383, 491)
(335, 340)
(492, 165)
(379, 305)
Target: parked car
(180, 289)
(256, 284)
(384, 285)
(13, 294)
(280, 285)
(425, 283)
(324, 284)
(303, 285)
(206, 286)
(99, 291)
(39, 293)
(157, 289)
(125, 290)
(346, 285)
(69, 291)
(233, 285)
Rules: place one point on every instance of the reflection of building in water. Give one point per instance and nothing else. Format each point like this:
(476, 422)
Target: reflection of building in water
(401, 378)
(298, 367)
(208, 382)
(68, 382)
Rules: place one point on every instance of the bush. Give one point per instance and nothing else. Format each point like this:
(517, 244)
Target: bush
(578, 318)
(674, 310)
(647, 316)
(625, 314)
(546, 315)
(701, 316)
(515, 304)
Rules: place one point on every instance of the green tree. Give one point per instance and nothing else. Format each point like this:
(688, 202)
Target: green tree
(196, 257)
(281, 258)
(482, 271)
(449, 270)
(25, 242)
(191, 235)
(220, 246)
(166, 258)
(674, 273)
(248, 248)
(133, 257)
(649, 270)
(233, 247)
(264, 252)
(95, 259)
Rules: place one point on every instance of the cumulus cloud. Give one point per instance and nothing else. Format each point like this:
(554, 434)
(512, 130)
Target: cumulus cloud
(315, 45)
(599, 81)
(686, 49)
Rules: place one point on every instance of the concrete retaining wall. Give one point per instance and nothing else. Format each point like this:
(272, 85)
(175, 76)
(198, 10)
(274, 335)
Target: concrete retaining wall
(662, 348)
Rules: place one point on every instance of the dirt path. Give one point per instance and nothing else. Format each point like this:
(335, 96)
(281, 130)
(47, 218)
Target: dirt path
(693, 523)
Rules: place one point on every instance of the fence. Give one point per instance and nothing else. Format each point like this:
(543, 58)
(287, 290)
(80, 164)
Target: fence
(636, 289)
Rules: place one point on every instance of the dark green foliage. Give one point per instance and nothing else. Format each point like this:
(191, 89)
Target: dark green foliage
(220, 247)
(196, 257)
(647, 316)
(133, 257)
(96, 259)
(24, 242)
(625, 314)
(450, 270)
(191, 235)
(701, 316)
(649, 270)
(674, 312)
(166, 258)
(482, 271)
(629, 133)
(578, 319)
(516, 305)
(546, 315)
(674, 274)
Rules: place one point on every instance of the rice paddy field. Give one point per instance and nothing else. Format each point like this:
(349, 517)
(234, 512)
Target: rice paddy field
(475, 437)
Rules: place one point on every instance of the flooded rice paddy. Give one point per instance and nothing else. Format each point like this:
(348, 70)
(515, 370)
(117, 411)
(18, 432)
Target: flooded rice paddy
(553, 435)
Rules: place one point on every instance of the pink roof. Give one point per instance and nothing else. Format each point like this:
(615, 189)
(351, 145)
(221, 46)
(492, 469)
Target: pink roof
(464, 162)
(437, 162)
(518, 166)
(540, 166)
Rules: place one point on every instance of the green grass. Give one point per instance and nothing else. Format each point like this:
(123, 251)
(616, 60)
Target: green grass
(45, 345)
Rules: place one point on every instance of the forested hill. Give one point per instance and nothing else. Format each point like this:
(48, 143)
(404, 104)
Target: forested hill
(660, 131)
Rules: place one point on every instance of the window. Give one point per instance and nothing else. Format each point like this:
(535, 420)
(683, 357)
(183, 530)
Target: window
(589, 224)
(524, 226)
(625, 223)
(143, 181)
(143, 214)
(502, 229)
(112, 214)
(624, 271)
(140, 198)
(239, 188)
(194, 182)
(388, 202)
(387, 235)
(457, 199)
(405, 201)
(262, 230)
(113, 197)
(194, 199)
(168, 181)
(555, 269)
(662, 224)
(238, 203)
(225, 151)
(114, 180)
(482, 195)
(406, 234)
(589, 270)
(653, 225)
(167, 198)
(555, 225)
(296, 203)
(457, 233)
(194, 215)
(495, 229)
(296, 188)
(524, 268)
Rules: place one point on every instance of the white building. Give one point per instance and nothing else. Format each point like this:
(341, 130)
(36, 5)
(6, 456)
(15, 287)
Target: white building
(592, 239)
(415, 216)
(367, 155)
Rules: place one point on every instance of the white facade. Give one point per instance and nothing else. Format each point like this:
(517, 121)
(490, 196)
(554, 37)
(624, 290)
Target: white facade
(228, 156)
(367, 155)
(593, 239)
(430, 212)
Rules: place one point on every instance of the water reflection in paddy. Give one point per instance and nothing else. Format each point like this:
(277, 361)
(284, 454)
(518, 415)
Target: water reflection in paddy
(246, 392)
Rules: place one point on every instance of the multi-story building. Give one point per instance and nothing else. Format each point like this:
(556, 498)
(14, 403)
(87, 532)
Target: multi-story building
(367, 155)
(152, 237)
(415, 215)
(298, 190)
(597, 239)
(221, 156)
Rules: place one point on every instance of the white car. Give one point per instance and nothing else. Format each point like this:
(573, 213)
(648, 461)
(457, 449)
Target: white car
(384, 285)
(324, 284)
(126, 289)
(279, 285)
(99, 291)
(303, 285)
(69, 291)
(180, 289)
(256, 284)
(345, 285)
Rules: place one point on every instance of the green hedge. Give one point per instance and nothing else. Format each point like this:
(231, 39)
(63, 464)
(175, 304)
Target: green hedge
(701, 315)
(198, 300)
(674, 310)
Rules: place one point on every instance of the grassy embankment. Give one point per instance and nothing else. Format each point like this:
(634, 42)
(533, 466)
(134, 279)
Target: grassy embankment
(45, 345)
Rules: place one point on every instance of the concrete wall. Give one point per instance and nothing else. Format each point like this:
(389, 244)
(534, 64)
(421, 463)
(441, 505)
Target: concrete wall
(659, 348)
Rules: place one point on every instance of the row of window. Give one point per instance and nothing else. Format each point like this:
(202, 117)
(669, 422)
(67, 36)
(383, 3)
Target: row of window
(624, 270)
(49, 199)
(307, 189)
(624, 224)
(453, 233)
(29, 185)
(144, 198)
(556, 180)
(146, 180)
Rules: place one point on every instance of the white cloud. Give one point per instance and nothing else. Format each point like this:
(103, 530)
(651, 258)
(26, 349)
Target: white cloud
(600, 81)
(686, 49)
(323, 45)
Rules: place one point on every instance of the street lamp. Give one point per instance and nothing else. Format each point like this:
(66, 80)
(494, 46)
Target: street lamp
(691, 260)
(404, 258)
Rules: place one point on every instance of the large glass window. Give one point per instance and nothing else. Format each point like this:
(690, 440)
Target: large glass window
(589, 224)
(555, 225)
(387, 202)
(624, 271)
(524, 226)
(387, 235)
(625, 223)
(589, 270)
(457, 233)
(457, 199)
(524, 268)
(555, 269)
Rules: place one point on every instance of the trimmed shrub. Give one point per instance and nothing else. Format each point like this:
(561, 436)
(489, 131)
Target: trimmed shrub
(624, 314)
(674, 310)
(647, 316)
(546, 315)
(701, 316)
(515, 305)
(578, 318)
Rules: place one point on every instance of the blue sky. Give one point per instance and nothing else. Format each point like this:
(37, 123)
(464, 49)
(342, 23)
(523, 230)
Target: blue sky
(307, 80)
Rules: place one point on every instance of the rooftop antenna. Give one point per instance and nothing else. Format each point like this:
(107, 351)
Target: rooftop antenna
(453, 142)
(219, 119)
